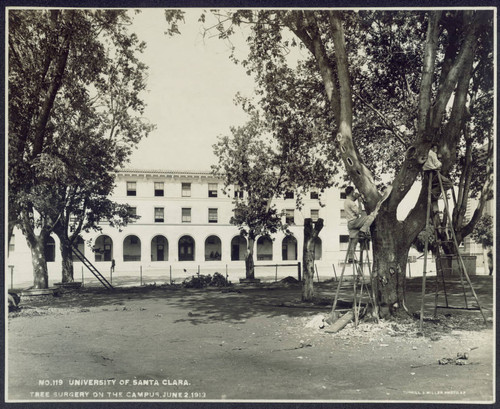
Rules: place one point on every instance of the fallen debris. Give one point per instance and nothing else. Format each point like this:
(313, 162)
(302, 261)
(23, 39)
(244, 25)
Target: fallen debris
(317, 321)
(14, 301)
(289, 280)
(461, 359)
(341, 322)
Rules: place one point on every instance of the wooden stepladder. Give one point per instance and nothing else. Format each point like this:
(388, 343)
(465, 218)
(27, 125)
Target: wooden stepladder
(359, 282)
(444, 234)
(86, 262)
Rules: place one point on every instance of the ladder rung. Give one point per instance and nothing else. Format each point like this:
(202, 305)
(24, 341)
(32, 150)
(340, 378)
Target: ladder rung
(458, 308)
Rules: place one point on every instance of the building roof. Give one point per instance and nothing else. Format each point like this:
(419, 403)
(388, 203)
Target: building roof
(166, 173)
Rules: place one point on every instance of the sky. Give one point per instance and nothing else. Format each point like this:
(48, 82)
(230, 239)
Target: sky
(191, 89)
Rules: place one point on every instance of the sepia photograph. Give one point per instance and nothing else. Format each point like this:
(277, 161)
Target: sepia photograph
(250, 204)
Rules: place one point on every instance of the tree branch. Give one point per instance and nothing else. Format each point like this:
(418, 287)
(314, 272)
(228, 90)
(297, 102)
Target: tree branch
(448, 85)
(427, 73)
(307, 31)
(389, 125)
(51, 94)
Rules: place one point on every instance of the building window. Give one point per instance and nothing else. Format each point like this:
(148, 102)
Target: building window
(344, 241)
(314, 215)
(159, 248)
(50, 250)
(159, 215)
(289, 195)
(12, 243)
(238, 248)
(289, 248)
(186, 215)
(212, 215)
(314, 194)
(264, 248)
(238, 193)
(212, 190)
(186, 190)
(131, 248)
(131, 189)
(318, 248)
(103, 248)
(159, 189)
(342, 214)
(212, 248)
(237, 213)
(73, 221)
(186, 248)
(289, 216)
(342, 195)
(132, 211)
(80, 246)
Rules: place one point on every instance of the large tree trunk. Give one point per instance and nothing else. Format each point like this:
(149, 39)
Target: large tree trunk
(310, 235)
(66, 249)
(40, 272)
(249, 263)
(392, 239)
(67, 260)
(36, 243)
(390, 255)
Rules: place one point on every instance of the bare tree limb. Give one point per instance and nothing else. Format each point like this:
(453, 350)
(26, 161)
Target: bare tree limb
(389, 125)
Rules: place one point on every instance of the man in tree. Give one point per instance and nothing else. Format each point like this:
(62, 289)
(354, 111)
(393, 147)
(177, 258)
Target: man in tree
(429, 78)
(433, 164)
(357, 220)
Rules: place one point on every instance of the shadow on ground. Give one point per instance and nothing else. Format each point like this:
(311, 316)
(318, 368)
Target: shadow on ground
(240, 302)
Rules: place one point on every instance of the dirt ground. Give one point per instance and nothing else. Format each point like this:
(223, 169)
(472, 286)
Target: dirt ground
(244, 342)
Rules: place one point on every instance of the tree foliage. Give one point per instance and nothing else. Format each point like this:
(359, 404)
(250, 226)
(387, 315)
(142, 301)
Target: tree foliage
(75, 113)
(264, 167)
(379, 88)
(483, 231)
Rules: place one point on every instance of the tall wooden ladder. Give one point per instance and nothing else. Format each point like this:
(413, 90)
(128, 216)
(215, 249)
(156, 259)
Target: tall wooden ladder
(86, 262)
(359, 282)
(444, 234)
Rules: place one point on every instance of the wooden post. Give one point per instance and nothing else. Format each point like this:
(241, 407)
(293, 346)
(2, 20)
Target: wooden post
(426, 248)
(341, 322)
(276, 275)
(82, 277)
(11, 277)
(299, 271)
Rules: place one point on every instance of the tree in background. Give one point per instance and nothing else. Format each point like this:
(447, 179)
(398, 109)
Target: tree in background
(83, 190)
(483, 234)
(74, 96)
(311, 233)
(263, 170)
(378, 88)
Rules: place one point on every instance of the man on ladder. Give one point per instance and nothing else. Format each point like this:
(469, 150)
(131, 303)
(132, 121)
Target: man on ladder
(433, 164)
(358, 224)
(439, 184)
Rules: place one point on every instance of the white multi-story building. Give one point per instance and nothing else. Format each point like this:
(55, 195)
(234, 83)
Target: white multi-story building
(184, 228)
